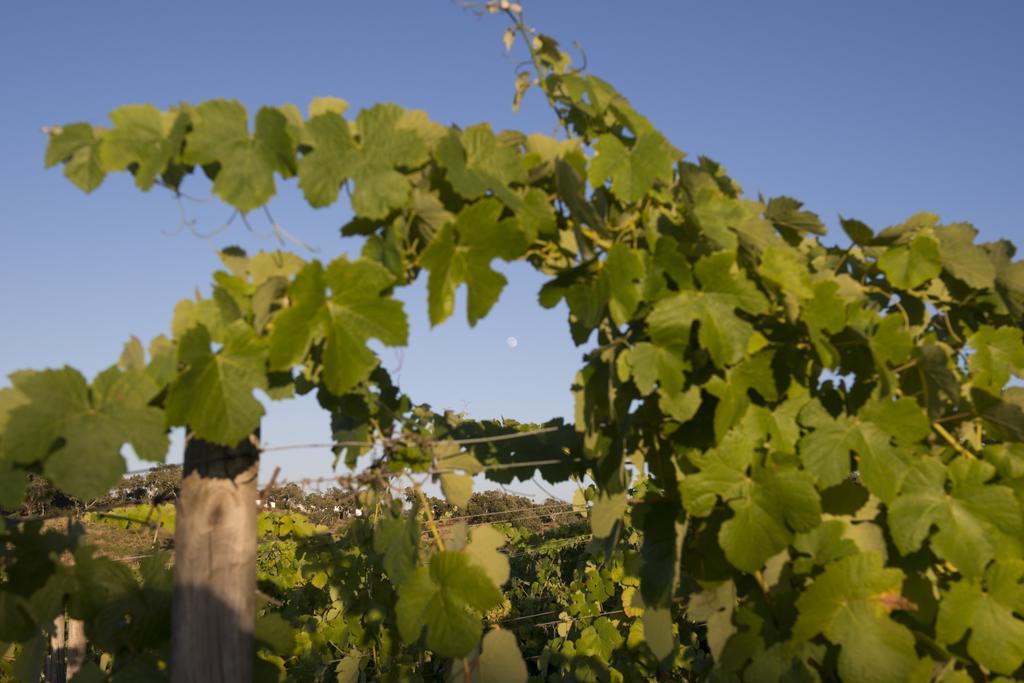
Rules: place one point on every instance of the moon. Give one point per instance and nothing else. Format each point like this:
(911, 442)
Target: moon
(512, 342)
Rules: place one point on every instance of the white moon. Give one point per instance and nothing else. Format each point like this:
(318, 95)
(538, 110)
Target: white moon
(512, 342)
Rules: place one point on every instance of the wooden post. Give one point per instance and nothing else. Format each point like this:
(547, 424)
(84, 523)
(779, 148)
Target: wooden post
(54, 670)
(76, 646)
(214, 602)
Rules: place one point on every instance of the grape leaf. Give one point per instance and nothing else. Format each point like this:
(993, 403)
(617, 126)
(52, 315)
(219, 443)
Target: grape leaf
(989, 610)
(649, 363)
(448, 600)
(482, 549)
(501, 660)
(768, 505)
(964, 259)
(77, 146)
(322, 169)
(397, 540)
(785, 213)
(294, 327)
(606, 511)
(850, 604)
(911, 265)
(774, 506)
(245, 163)
(475, 162)
(462, 253)
(633, 170)
(457, 488)
(358, 308)
(785, 268)
(213, 395)
(374, 161)
(625, 271)
(825, 450)
(998, 355)
(976, 521)
(145, 139)
(77, 430)
(721, 331)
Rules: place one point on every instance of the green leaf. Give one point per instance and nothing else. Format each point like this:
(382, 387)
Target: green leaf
(217, 125)
(658, 633)
(606, 511)
(397, 540)
(245, 179)
(1008, 459)
(989, 610)
(625, 270)
(457, 488)
(649, 363)
(998, 355)
(245, 163)
(662, 544)
(77, 146)
(788, 270)
(274, 631)
(501, 660)
(891, 342)
(327, 105)
(681, 406)
(77, 430)
(719, 215)
(903, 419)
(785, 214)
(825, 450)
(963, 259)
(858, 232)
(772, 507)
(715, 606)
(13, 482)
(975, 521)
(145, 138)
(911, 265)
(768, 505)
(358, 309)
(850, 604)
(633, 170)
(448, 599)
(826, 310)
(484, 542)
(213, 395)
(462, 253)
(294, 327)
(882, 466)
(475, 162)
(374, 162)
(724, 290)
(322, 169)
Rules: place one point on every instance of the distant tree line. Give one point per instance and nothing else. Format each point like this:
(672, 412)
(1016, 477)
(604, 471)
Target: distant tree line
(161, 485)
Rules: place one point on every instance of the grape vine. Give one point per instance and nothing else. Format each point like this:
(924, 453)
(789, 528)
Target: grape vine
(807, 459)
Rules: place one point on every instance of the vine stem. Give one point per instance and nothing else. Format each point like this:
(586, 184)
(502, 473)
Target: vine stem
(952, 442)
(519, 23)
(431, 522)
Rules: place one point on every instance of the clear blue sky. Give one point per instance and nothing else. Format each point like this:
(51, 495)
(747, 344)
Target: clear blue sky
(873, 110)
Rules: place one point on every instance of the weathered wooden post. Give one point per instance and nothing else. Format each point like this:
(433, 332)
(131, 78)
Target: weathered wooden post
(54, 667)
(76, 646)
(214, 607)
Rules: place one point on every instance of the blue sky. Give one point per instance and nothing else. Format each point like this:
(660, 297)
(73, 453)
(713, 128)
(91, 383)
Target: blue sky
(872, 110)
